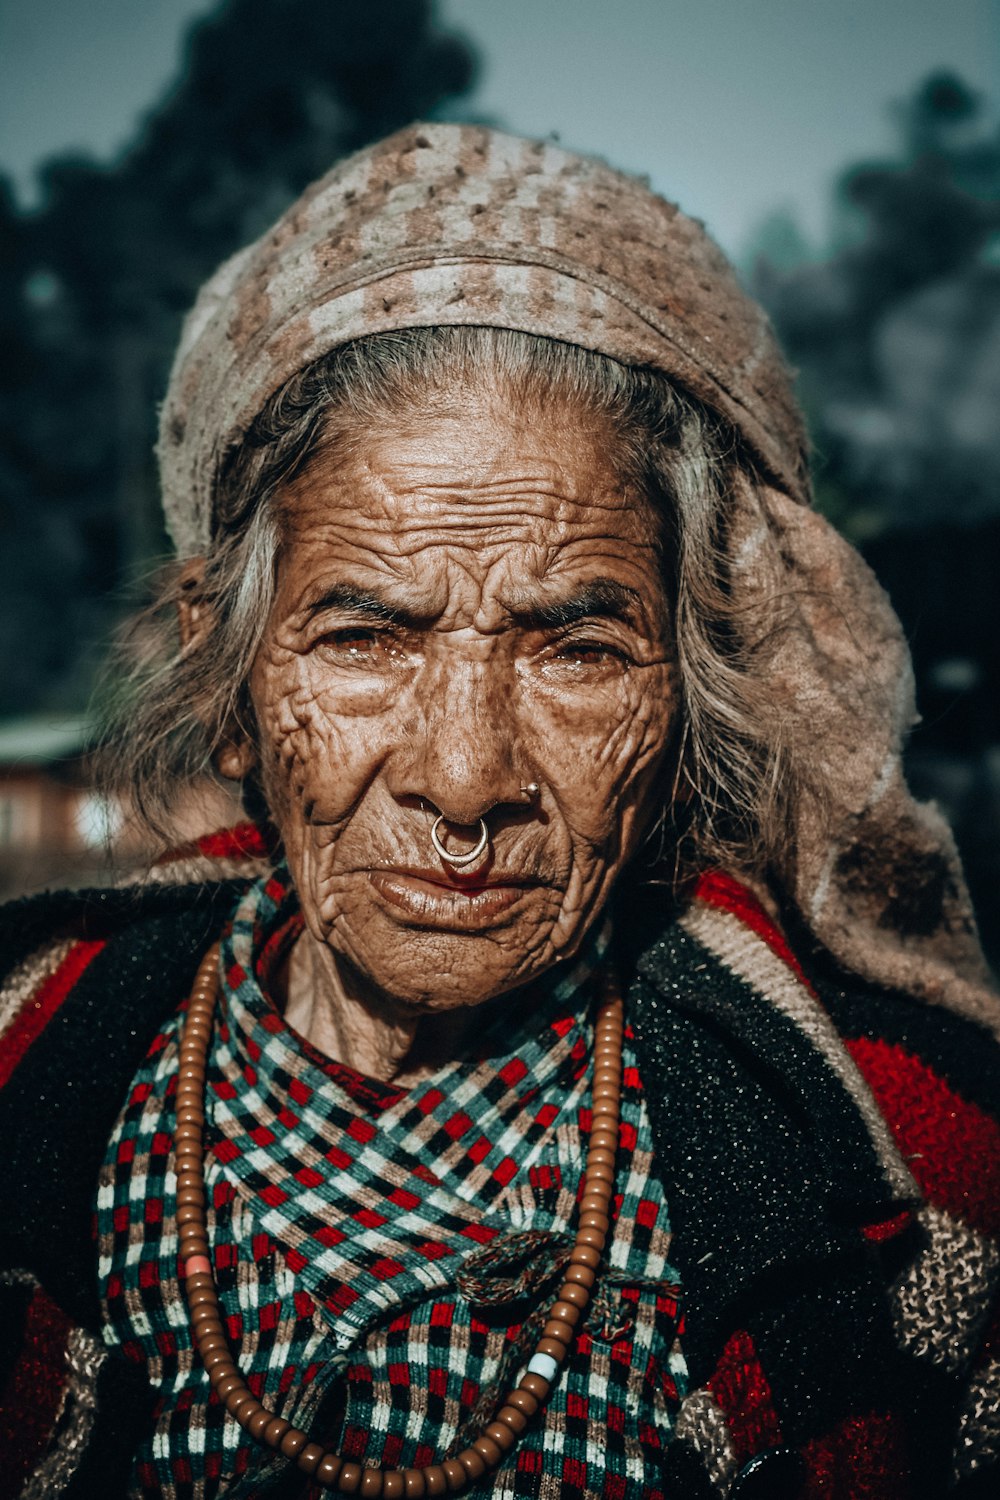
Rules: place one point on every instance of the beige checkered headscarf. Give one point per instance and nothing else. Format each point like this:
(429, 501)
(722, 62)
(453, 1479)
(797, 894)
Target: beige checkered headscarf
(448, 224)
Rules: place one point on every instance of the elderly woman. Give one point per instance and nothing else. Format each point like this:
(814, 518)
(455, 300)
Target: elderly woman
(579, 1077)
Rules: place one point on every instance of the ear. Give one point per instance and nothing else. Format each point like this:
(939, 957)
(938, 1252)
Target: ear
(234, 757)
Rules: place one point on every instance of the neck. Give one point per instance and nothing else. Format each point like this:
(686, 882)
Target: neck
(355, 1024)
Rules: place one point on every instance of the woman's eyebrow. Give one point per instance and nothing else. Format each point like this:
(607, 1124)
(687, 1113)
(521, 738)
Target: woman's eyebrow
(601, 598)
(357, 601)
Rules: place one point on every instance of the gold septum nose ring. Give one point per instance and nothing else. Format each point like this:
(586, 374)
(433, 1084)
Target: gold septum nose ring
(459, 859)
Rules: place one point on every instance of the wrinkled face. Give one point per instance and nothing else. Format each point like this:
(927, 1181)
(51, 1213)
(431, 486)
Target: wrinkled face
(467, 602)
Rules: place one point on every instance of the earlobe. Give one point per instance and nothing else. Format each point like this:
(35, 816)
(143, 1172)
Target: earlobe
(234, 759)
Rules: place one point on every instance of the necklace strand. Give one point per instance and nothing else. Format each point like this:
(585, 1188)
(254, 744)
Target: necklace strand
(488, 1451)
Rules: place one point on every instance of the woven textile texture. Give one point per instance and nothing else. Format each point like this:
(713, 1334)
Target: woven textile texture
(384, 1255)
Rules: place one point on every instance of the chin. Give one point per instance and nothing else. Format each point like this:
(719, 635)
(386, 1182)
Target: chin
(420, 972)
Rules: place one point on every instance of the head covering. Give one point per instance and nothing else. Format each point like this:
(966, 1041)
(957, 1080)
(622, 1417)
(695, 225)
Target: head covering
(449, 224)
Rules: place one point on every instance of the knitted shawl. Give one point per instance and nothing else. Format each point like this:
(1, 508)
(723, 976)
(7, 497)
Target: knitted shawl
(448, 224)
(830, 1155)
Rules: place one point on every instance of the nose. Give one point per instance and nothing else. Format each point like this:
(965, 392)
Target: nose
(462, 749)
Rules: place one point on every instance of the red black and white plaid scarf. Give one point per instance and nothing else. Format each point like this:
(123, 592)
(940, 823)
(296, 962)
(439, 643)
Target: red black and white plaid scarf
(383, 1254)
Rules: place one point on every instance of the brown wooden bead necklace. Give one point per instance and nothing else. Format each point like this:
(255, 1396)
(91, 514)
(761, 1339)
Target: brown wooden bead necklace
(488, 1451)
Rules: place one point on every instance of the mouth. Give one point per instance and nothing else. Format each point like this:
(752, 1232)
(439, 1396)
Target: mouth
(455, 902)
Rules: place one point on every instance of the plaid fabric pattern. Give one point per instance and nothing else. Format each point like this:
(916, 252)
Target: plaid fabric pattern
(384, 1255)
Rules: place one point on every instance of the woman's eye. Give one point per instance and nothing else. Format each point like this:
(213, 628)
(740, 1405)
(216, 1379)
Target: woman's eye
(359, 644)
(590, 654)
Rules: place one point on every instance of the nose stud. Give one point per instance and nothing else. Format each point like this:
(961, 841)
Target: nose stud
(531, 790)
(458, 859)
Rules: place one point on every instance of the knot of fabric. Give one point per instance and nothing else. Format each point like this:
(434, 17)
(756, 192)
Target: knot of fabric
(513, 1266)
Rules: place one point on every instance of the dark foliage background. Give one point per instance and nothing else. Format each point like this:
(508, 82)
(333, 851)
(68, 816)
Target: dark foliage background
(895, 331)
(94, 284)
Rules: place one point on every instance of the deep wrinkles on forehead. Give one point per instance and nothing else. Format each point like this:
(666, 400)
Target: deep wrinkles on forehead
(414, 495)
(410, 502)
(423, 560)
(490, 422)
(409, 516)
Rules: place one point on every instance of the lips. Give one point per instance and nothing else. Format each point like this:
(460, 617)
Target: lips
(431, 898)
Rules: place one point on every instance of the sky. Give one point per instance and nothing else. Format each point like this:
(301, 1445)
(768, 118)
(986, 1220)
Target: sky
(736, 108)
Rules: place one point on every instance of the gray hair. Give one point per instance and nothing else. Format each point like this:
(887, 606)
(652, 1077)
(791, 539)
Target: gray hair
(170, 708)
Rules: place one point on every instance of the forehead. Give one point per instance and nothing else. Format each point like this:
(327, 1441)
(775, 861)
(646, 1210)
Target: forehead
(481, 471)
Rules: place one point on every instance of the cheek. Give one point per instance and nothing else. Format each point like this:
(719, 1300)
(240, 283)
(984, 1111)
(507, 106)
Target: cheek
(600, 749)
(312, 758)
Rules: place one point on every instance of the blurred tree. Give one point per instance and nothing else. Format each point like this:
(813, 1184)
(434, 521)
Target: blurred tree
(778, 242)
(903, 316)
(93, 286)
